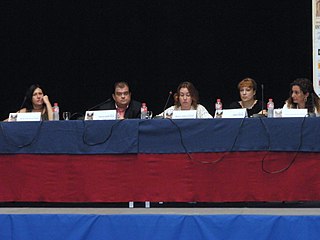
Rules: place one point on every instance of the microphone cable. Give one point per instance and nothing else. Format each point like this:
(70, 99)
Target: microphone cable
(36, 136)
(232, 146)
(81, 115)
(293, 159)
(181, 138)
(84, 135)
(207, 162)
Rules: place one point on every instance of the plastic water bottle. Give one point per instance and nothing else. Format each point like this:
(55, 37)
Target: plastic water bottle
(218, 105)
(218, 108)
(270, 107)
(144, 111)
(55, 110)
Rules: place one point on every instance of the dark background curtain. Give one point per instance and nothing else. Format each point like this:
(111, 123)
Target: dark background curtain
(77, 49)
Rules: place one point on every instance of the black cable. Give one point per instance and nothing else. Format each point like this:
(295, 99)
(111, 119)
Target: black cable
(267, 134)
(23, 145)
(206, 162)
(80, 116)
(181, 139)
(105, 140)
(293, 159)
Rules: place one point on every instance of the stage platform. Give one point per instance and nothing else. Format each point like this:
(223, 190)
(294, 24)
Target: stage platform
(166, 211)
(159, 223)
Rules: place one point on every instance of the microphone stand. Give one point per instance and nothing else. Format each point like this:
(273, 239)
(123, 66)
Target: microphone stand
(81, 115)
(312, 114)
(99, 104)
(262, 98)
(165, 106)
(260, 115)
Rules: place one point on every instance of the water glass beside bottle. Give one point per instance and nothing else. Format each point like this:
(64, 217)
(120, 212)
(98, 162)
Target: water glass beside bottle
(66, 115)
(149, 115)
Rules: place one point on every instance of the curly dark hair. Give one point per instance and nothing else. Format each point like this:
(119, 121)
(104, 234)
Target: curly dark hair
(306, 86)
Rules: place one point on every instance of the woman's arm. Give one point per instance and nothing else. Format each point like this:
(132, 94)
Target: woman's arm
(48, 106)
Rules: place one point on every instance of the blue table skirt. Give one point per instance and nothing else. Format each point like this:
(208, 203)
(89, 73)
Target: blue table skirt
(161, 136)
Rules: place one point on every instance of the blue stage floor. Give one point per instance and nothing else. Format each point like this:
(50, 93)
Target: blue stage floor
(161, 223)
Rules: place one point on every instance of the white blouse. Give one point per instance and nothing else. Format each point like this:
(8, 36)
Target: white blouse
(201, 111)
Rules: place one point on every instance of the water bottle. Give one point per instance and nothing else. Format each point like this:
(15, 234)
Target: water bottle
(144, 111)
(55, 110)
(218, 108)
(270, 107)
(218, 105)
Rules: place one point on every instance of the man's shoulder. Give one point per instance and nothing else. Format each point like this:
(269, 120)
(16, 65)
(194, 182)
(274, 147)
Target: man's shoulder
(135, 104)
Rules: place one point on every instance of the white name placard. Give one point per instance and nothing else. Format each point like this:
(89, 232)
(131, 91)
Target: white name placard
(24, 117)
(231, 113)
(294, 112)
(184, 114)
(101, 115)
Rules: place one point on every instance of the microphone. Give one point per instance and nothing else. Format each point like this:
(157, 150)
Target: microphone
(312, 113)
(257, 115)
(81, 115)
(262, 98)
(99, 104)
(165, 106)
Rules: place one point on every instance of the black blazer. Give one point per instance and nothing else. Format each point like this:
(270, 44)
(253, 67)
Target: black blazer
(254, 110)
(133, 110)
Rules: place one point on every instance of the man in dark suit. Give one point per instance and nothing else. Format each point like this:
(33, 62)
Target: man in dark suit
(122, 102)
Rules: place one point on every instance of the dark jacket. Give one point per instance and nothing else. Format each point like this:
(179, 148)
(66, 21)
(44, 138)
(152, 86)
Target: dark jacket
(133, 110)
(254, 110)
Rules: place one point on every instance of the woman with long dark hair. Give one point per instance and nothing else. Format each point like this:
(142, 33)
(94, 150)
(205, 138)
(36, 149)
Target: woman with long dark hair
(37, 101)
(302, 96)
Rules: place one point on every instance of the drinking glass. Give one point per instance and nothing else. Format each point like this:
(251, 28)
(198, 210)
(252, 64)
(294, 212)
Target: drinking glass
(168, 113)
(66, 115)
(149, 115)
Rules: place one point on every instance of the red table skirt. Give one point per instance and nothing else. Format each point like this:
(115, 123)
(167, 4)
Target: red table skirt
(202, 177)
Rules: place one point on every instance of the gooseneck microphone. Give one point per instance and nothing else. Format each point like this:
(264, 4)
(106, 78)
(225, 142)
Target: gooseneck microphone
(259, 115)
(99, 104)
(312, 113)
(165, 106)
(81, 115)
(262, 98)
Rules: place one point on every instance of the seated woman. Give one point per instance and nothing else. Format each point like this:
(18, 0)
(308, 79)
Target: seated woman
(36, 101)
(186, 98)
(302, 96)
(247, 90)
